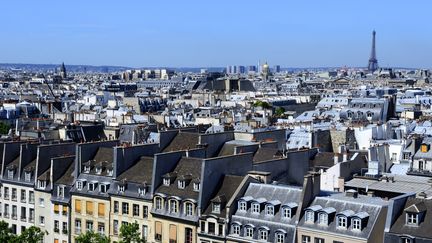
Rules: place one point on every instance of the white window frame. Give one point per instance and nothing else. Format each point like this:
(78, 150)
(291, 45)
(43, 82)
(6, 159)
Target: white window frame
(236, 229)
(242, 206)
(356, 224)
(166, 181)
(188, 209)
(287, 213)
(310, 216)
(412, 218)
(196, 187)
(323, 218)
(181, 184)
(270, 210)
(256, 208)
(158, 202)
(249, 232)
(280, 237)
(216, 207)
(342, 222)
(263, 234)
(173, 206)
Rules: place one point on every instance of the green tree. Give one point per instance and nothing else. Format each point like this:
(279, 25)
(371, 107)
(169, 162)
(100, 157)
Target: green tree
(92, 237)
(32, 234)
(279, 111)
(129, 233)
(6, 233)
(4, 128)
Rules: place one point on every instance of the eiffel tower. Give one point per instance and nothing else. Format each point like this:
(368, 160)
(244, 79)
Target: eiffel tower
(373, 62)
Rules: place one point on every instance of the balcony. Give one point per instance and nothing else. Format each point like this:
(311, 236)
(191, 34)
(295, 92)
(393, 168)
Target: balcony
(23, 200)
(6, 215)
(14, 216)
(24, 219)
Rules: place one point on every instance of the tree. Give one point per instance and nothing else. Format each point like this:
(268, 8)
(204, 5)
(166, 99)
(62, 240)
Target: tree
(92, 237)
(4, 128)
(279, 111)
(129, 233)
(32, 234)
(6, 233)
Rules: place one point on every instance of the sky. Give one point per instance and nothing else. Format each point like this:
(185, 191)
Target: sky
(216, 33)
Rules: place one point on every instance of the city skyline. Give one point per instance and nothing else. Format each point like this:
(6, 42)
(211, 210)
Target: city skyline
(195, 34)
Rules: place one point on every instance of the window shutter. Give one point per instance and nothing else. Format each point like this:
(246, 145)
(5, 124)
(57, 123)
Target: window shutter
(77, 205)
(159, 228)
(173, 232)
(89, 207)
(101, 209)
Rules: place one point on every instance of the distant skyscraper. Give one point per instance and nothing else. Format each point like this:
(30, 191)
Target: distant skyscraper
(252, 68)
(276, 69)
(240, 69)
(63, 73)
(373, 62)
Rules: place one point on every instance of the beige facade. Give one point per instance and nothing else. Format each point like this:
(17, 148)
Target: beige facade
(89, 214)
(130, 210)
(56, 216)
(17, 206)
(174, 232)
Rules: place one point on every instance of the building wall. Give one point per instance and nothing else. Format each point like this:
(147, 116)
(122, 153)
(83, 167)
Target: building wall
(130, 217)
(20, 203)
(328, 237)
(84, 216)
(180, 230)
(215, 141)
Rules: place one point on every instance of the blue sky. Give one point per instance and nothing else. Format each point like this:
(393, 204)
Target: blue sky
(196, 33)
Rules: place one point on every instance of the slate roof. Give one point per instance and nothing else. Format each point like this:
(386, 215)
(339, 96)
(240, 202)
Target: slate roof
(348, 206)
(424, 228)
(140, 172)
(183, 141)
(228, 186)
(104, 154)
(67, 178)
(265, 154)
(186, 166)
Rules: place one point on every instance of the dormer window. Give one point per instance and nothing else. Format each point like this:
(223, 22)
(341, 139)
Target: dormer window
(121, 188)
(407, 240)
(286, 212)
(41, 184)
(196, 186)
(27, 176)
(98, 170)
(86, 168)
(342, 222)
(80, 184)
(424, 148)
(92, 186)
(406, 155)
(412, 218)
(256, 208)
(356, 224)
(60, 191)
(310, 216)
(242, 206)
(216, 207)
(235, 229)
(10, 174)
(270, 210)
(323, 219)
(104, 187)
(189, 209)
(141, 191)
(181, 184)
(263, 234)
(158, 203)
(110, 172)
(166, 181)
(173, 206)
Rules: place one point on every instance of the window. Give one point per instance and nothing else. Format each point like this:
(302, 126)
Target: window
(14, 212)
(166, 181)
(145, 212)
(116, 207)
(80, 185)
(115, 227)
(110, 172)
(356, 224)
(60, 191)
(125, 208)
(23, 196)
(89, 225)
(10, 174)
(98, 170)
(144, 232)
(342, 221)
(27, 176)
(286, 212)
(86, 169)
(56, 208)
(77, 206)
(181, 184)
(141, 191)
(65, 228)
(89, 207)
(31, 215)
(221, 231)
(310, 216)
(101, 228)
(242, 206)
(42, 220)
(189, 209)
(104, 188)
(41, 184)
(306, 239)
(31, 197)
(280, 237)
(256, 208)
(77, 226)
(135, 209)
(249, 232)
(203, 227)
(65, 210)
(158, 202)
(188, 235)
(92, 186)
(41, 202)
(406, 156)
(56, 226)
(121, 188)
(14, 194)
(236, 229)
(173, 206)
(269, 210)
(263, 234)
(319, 240)
(216, 207)
(101, 209)
(196, 186)
(412, 218)
(407, 240)
(323, 219)
(158, 231)
(211, 228)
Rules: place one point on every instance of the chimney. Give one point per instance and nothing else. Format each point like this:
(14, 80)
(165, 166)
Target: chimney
(336, 158)
(345, 157)
(351, 193)
(262, 176)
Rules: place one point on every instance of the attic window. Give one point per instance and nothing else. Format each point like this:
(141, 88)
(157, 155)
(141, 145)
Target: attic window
(60, 191)
(104, 188)
(196, 186)
(141, 191)
(412, 218)
(242, 206)
(270, 210)
(80, 184)
(98, 170)
(342, 222)
(121, 188)
(256, 208)
(310, 216)
(406, 155)
(407, 240)
(424, 148)
(323, 219)
(27, 176)
(181, 184)
(86, 168)
(92, 186)
(10, 174)
(110, 172)
(356, 224)
(41, 184)
(287, 212)
(166, 181)
(216, 207)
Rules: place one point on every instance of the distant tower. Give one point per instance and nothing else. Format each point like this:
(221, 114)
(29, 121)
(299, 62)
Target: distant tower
(265, 71)
(63, 73)
(373, 62)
